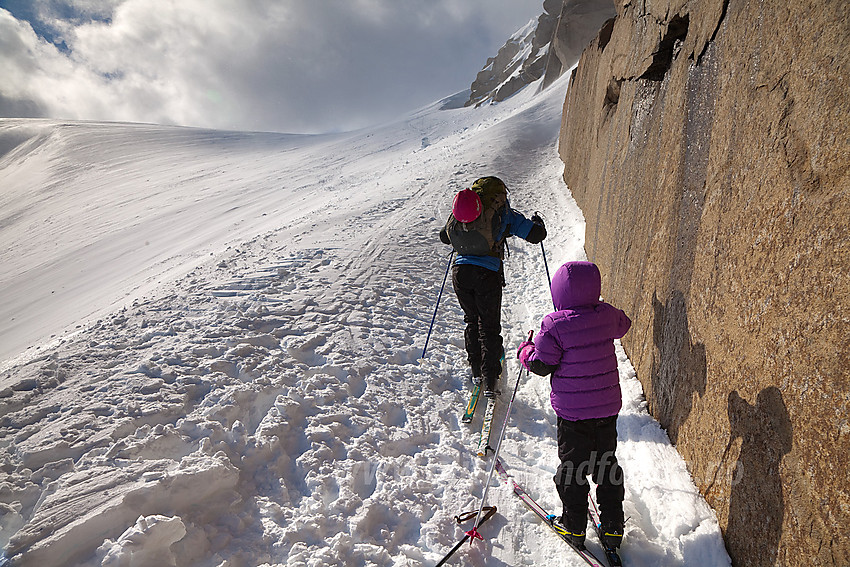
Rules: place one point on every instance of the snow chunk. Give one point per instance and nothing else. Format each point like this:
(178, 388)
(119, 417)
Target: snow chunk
(146, 543)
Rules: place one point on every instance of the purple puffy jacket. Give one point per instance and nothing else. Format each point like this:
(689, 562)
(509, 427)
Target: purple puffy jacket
(578, 338)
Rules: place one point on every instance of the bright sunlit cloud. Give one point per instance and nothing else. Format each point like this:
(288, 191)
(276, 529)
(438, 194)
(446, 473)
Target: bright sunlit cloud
(294, 65)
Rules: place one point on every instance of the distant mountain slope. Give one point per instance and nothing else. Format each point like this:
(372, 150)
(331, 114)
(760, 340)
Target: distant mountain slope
(542, 48)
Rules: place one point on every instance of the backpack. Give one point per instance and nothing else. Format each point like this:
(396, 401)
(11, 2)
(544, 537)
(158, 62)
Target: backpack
(481, 237)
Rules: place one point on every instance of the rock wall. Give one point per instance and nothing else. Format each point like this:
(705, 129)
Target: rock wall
(708, 144)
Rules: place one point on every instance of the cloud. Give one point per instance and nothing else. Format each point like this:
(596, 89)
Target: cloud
(36, 75)
(298, 65)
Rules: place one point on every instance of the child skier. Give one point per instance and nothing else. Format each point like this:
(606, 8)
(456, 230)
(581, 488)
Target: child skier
(576, 345)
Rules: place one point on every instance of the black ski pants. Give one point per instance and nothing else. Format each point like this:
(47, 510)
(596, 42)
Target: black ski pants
(587, 447)
(479, 292)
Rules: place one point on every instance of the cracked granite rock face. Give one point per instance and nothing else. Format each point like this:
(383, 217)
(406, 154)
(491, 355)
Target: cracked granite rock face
(707, 143)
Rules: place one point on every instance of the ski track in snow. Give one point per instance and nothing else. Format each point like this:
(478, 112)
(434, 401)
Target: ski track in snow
(259, 398)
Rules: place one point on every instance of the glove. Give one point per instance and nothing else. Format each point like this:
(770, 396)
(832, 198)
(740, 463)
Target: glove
(535, 218)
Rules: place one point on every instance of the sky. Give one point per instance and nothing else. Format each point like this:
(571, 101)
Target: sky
(302, 66)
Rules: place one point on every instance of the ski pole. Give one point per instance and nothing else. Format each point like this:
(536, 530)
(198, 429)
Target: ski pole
(473, 533)
(434, 318)
(543, 250)
(545, 263)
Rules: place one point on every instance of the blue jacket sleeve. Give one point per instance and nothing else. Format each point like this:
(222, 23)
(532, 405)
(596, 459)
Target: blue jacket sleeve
(516, 224)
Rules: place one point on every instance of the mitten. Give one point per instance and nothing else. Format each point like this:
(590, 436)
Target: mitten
(525, 353)
(522, 346)
(525, 349)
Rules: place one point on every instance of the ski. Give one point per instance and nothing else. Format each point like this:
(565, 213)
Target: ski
(473, 401)
(611, 553)
(486, 425)
(548, 519)
(475, 395)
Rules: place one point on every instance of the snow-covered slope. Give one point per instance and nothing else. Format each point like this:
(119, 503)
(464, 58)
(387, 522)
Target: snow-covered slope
(212, 342)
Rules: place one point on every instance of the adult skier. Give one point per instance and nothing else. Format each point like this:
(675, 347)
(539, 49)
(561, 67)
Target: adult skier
(481, 220)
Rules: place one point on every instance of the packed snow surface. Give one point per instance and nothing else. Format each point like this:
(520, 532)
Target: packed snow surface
(211, 348)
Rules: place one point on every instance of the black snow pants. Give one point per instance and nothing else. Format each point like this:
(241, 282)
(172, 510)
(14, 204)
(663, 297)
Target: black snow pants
(587, 447)
(479, 292)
